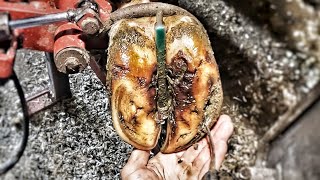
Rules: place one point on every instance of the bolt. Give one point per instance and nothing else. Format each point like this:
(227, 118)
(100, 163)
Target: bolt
(90, 25)
(72, 64)
(71, 60)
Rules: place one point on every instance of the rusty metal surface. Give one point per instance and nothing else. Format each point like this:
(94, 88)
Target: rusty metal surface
(40, 38)
(72, 60)
(105, 10)
(89, 25)
(65, 5)
(70, 54)
(43, 38)
(24, 10)
(7, 59)
(6, 68)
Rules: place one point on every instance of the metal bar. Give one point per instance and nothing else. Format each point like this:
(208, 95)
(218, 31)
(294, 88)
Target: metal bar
(147, 10)
(60, 86)
(41, 20)
(98, 71)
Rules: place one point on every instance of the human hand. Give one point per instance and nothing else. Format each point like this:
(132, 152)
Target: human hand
(192, 163)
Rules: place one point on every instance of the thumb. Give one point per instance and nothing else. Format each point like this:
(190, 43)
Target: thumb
(137, 160)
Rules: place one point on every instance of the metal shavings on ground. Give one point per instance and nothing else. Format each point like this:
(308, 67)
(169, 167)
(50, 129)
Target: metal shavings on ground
(263, 75)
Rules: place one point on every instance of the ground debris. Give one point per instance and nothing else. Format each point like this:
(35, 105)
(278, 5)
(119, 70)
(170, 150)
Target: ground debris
(263, 74)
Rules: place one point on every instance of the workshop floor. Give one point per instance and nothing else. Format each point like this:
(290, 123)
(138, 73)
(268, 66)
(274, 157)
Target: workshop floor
(73, 139)
(296, 153)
